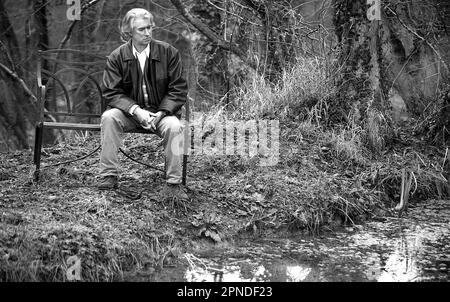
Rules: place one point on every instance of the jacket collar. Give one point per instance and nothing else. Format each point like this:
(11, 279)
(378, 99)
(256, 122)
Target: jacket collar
(129, 55)
(146, 51)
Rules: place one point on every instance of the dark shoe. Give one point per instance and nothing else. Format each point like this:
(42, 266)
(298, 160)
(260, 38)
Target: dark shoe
(108, 183)
(175, 191)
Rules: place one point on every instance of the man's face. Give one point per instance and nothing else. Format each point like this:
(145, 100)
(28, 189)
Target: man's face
(142, 32)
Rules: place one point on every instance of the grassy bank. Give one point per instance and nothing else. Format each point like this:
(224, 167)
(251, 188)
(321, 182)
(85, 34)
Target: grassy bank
(323, 179)
(320, 182)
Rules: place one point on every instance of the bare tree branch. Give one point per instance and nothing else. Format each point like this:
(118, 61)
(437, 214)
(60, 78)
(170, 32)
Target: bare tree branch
(233, 14)
(99, 15)
(423, 39)
(211, 35)
(8, 56)
(72, 25)
(256, 7)
(13, 75)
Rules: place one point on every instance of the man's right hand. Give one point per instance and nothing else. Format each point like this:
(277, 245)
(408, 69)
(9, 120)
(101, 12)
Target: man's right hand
(143, 117)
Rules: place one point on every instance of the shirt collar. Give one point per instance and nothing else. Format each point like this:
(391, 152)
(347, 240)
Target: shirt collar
(146, 50)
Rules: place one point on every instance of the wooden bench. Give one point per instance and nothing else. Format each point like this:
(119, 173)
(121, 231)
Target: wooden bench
(70, 98)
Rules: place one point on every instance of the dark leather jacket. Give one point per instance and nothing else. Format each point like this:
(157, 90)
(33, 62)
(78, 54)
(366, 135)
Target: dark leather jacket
(167, 89)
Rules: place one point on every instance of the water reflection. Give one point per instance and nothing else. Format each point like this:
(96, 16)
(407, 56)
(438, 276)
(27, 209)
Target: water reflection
(412, 254)
(228, 273)
(401, 264)
(297, 273)
(398, 250)
(202, 270)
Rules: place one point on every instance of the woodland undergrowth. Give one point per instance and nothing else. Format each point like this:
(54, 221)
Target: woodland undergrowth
(324, 178)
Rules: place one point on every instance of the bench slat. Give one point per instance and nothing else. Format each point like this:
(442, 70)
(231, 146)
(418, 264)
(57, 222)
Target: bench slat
(93, 115)
(73, 126)
(90, 127)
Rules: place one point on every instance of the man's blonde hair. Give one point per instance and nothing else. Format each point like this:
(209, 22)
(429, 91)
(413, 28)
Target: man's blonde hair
(126, 26)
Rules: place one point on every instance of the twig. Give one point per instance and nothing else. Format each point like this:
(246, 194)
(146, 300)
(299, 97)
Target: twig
(404, 195)
(71, 161)
(72, 25)
(346, 210)
(417, 154)
(211, 35)
(189, 257)
(231, 13)
(421, 38)
(139, 162)
(8, 56)
(415, 183)
(445, 158)
(402, 190)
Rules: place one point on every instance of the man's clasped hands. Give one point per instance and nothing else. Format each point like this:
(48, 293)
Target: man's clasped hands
(147, 119)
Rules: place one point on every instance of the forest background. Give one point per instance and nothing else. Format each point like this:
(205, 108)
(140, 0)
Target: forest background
(361, 93)
(330, 56)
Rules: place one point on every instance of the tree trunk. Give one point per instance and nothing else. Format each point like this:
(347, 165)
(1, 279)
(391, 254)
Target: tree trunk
(277, 29)
(388, 69)
(8, 38)
(14, 118)
(38, 37)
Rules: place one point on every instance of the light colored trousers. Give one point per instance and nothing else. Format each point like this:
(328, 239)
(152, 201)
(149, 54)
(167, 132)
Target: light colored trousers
(114, 123)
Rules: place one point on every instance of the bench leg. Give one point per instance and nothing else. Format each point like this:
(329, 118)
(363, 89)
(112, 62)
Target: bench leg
(183, 179)
(37, 149)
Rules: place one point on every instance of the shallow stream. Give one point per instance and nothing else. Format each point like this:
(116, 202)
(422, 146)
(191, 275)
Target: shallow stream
(415, 247)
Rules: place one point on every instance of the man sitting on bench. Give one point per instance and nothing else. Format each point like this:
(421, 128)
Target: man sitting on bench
(143, 87)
